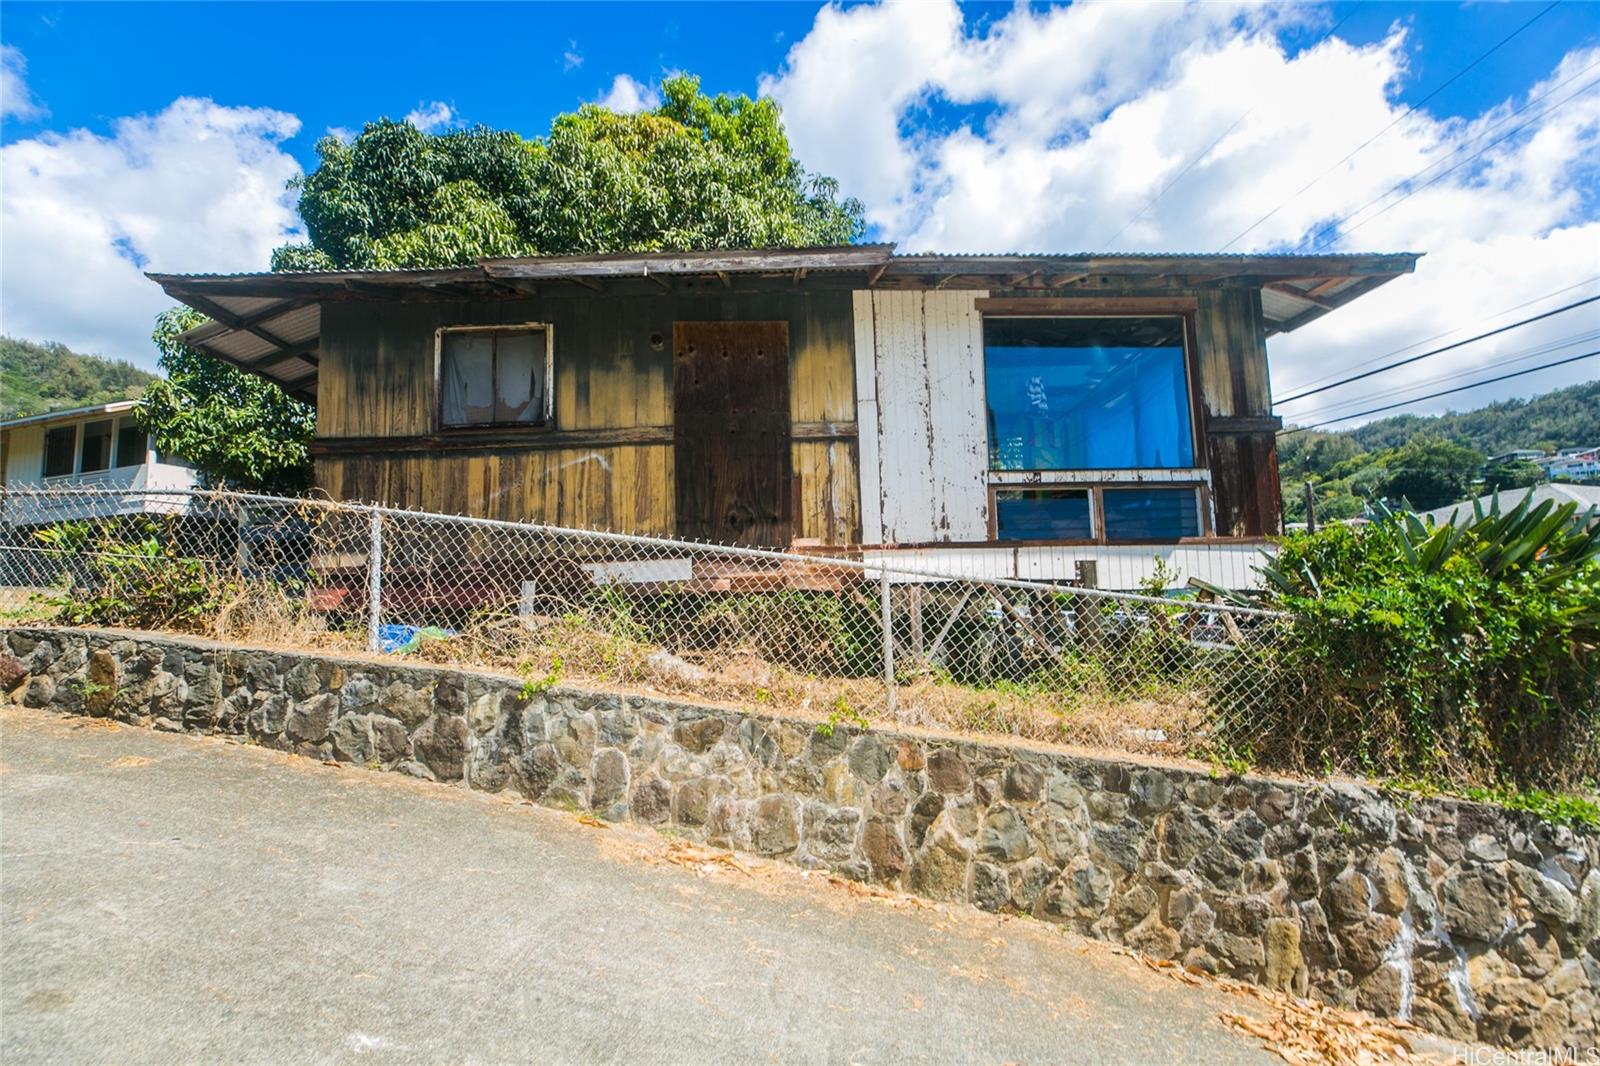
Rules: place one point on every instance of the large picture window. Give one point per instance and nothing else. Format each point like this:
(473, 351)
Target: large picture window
(494, 377)
(1087, 393)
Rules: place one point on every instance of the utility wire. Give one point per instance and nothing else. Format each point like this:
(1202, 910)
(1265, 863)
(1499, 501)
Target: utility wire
(1410, 110)
(1436, 351)
(1444, 174)
(1456, 329)
(1445, 392)
(1329, 231)
(1510, 360)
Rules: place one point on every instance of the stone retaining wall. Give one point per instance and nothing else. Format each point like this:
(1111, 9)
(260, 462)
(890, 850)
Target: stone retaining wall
(1469, 920)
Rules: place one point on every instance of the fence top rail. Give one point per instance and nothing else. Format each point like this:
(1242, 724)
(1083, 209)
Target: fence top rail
(874, 566)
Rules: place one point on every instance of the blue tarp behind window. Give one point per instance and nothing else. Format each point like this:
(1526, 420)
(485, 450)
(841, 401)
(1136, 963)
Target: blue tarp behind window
(1150, 514)
(1086, 393)
(1042, 514)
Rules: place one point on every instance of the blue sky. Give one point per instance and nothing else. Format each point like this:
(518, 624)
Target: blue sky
(160, 136)
(508, 65)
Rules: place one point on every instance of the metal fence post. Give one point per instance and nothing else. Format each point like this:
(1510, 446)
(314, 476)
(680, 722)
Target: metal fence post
(375, 582)
(888, 644)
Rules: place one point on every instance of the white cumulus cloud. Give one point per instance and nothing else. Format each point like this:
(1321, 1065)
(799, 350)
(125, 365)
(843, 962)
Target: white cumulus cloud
(629, 96)
(196, 187)
(431, 118)
(16, 99)
(1066, 138)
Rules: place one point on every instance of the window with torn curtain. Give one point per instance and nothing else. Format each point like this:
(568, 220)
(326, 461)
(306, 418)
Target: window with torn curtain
(1091, 431)
(494, 377)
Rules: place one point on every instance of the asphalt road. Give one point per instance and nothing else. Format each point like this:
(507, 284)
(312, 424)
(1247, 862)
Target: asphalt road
(180, 900)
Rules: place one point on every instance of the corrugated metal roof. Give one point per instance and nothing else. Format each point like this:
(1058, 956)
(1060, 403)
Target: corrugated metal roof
(269, 323)
(115, 407)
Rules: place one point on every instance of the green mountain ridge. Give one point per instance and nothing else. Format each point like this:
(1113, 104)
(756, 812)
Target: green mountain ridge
(1563, 418)
(36, 378)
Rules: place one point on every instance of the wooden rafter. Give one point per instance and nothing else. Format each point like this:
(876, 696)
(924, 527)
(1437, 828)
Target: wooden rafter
(234, 321)
(1299, 294)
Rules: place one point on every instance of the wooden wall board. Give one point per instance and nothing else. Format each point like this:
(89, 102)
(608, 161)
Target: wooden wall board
(613, 400)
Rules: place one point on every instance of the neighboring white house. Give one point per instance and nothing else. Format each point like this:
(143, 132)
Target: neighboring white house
(100, 447)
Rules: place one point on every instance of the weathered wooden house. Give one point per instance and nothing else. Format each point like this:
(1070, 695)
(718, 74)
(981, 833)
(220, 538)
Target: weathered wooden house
(1010, 409)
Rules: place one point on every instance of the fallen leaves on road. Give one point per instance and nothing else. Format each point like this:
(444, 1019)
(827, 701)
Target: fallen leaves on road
(1305, 1033)
(702, 861)
(1166, 966)
(1299, 1031)
(857, 888)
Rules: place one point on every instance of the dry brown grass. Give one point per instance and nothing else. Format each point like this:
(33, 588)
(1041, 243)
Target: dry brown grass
(574, 650)
(566, 651)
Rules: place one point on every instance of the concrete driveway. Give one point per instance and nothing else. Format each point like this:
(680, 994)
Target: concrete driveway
(173, 899)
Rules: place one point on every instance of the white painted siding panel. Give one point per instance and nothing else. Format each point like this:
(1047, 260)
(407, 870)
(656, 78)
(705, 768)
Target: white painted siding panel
(868, 471)
(923, 443)
(25, 456)
(959, 438)
(904, 429)
(1122, 568)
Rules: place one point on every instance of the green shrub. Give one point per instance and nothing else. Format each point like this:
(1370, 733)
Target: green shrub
(1468, 653)
(126, 572)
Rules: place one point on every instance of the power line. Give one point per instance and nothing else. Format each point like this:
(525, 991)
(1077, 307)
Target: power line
(1411, 109)
(1435, 351)
(1457, 329)
(1517, 357)
(1444, 174)
(1329, 230)
(1445, 392)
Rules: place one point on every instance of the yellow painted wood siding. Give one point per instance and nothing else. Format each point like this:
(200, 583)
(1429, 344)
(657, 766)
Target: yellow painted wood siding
(613, 371)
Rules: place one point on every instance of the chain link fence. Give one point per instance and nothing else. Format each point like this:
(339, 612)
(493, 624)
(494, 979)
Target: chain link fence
(838, 638)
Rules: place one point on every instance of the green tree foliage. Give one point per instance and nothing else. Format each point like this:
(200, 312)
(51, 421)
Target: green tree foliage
(1468, 654)
(36, 378)
(1428, 472)
(697, 172)
(238, 429)
(1518, 474)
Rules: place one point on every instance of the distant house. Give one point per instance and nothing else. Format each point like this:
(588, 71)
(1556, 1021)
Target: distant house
(1518, 455)
(1572, 464)
(1014, 413)
(100, 447)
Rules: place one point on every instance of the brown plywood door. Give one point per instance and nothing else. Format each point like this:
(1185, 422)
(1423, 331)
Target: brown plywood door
(730, 418)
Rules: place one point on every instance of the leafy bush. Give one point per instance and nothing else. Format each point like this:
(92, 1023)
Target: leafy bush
(125, 572)
(1471, 653)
